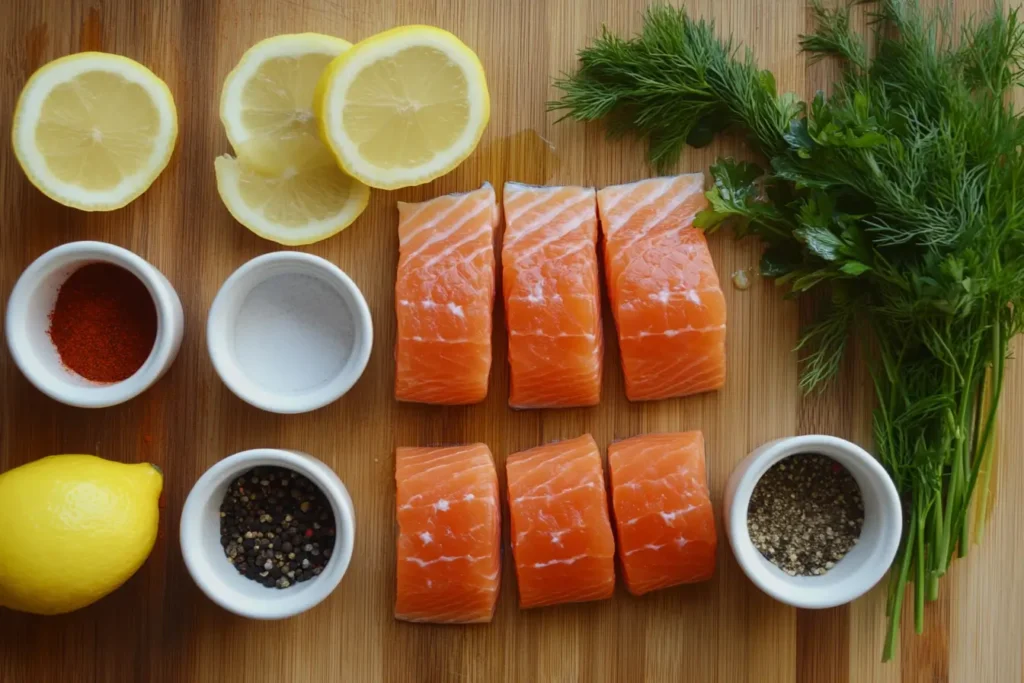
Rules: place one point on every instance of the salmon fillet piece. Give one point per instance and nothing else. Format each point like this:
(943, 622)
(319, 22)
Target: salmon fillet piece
(552, 296)
(561, 534)
(668, 305)
(449, 534)
(444, 298)
(663, 515)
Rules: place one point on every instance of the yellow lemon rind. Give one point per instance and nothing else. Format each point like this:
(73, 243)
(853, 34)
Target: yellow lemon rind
(102, 516)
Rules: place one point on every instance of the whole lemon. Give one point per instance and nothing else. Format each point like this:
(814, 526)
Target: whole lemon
(72, 529)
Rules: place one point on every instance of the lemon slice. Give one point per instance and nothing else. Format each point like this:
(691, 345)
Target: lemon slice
(284, 185)
(404, 106)
(270, 93)
(308, 200)
(94, 130)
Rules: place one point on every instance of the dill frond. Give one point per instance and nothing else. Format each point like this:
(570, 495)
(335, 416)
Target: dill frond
(834, 37)
(823, 346)
(677, 83)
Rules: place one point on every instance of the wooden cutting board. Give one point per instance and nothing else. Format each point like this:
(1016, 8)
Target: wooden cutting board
(160, 628)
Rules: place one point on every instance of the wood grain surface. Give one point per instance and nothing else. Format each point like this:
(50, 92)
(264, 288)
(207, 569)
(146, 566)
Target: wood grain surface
(159, 627)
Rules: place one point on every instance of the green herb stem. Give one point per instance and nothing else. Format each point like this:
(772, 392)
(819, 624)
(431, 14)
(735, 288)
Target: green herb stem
(985, 452)
(939, 538)
(919, 582)
(895, 607)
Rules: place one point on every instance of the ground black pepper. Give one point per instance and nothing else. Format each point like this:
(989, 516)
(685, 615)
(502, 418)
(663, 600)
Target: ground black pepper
(276, 527)
(805, 514)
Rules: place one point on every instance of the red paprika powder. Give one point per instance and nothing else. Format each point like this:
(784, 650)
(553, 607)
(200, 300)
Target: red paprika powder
(103, 323)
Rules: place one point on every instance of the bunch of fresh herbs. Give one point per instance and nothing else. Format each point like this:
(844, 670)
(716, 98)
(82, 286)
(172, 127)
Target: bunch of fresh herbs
(899, 196)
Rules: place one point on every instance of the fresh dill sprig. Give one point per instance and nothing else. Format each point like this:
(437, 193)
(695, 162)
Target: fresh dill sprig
(823, 343)
(991, 54)
(900, 195)
(675, 84)
(834, 37)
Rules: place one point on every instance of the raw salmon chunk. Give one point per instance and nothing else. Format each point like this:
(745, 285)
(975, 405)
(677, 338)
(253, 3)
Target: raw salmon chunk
(552, 296)
(449, 534)
(561, 535)
(663, 516)
(664, 291)
(444, 296)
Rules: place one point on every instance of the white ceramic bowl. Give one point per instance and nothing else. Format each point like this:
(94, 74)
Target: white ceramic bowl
(204, 556)
(28, 323)
(861, 568)
(224, 337)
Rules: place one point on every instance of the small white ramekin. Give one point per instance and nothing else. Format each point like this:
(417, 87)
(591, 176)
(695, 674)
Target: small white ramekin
(204, 556)
(28, 324)
(220, 331)
(861, 568)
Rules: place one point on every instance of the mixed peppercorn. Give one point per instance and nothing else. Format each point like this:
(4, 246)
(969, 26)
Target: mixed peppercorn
(276, 527)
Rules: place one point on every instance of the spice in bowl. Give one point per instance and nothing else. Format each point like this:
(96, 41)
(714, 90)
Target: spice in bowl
(103, 323)
(294, 333)
(276, 527)
(805, 514)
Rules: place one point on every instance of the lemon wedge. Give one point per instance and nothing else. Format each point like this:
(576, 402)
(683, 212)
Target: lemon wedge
(283, 184)
(404, 106)
(94, 130)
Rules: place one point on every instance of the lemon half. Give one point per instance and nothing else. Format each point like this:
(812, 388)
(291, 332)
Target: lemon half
(94, 130)
(404, 106)
(283, 183)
